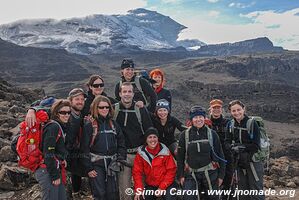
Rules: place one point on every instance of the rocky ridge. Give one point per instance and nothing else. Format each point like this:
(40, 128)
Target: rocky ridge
(17, 183)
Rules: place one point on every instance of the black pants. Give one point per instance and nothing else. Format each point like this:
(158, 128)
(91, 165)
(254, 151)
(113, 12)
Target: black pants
(203, 186)
(167, 196)
(76, 182)
(102, 187)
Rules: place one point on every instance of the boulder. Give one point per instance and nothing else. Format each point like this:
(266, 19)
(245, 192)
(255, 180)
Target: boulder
(6, 154)
(14, 178)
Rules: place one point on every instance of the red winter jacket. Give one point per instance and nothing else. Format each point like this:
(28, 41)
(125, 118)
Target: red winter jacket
(159, 173)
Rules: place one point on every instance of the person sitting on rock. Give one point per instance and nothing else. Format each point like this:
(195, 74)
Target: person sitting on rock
(155, 166)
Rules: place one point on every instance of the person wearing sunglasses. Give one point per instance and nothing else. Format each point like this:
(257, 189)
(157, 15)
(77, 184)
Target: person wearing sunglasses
(51, 176)
(159, 77)
(102, 146)
(95, 86)
(144, 93)
(166, 125)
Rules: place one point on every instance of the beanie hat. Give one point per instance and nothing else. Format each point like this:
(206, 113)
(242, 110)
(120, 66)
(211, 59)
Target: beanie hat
(150, 131)
(162, 103)
(127, 63)
(197, 111)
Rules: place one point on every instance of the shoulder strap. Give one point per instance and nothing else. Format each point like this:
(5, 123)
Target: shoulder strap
(60, 130)
(210, 137)
(116, 111)
(232, 129)
(187, 132)
(249, 127)
(138, 85)
(95, 128)
(138, 114)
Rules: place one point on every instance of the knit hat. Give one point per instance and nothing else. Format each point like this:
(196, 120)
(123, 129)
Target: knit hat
(216, 102)
(197, 111)
(162, 103)
(127, 63)
(150, 131)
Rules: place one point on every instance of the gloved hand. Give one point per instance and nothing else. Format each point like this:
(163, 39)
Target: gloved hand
(237, 148)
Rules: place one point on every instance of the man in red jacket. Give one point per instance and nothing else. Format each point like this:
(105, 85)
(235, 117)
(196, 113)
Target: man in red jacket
(156, 163)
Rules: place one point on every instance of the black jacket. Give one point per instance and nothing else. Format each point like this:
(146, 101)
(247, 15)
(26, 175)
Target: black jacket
(105, 143)
(166, 132)
(53, 149)
(90, 97)
(251, 145)
(130, 126)
(147, 90)
(199, 159)
(165, 94)
(73, 132)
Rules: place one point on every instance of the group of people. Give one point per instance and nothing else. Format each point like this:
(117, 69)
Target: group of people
(129, 142)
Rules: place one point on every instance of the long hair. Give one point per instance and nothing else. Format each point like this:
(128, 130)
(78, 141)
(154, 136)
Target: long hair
(59, 103)
(92, 79)
(95, 103)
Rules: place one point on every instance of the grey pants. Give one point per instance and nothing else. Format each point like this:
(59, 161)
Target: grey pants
(125, 178)
(247, 181)
(102, 188)
(48, 190)
(203, 186)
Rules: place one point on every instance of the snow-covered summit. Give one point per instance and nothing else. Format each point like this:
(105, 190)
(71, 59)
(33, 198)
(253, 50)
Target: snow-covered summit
(138, 29)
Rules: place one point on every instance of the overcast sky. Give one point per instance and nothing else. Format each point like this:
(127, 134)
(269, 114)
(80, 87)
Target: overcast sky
(211, 21)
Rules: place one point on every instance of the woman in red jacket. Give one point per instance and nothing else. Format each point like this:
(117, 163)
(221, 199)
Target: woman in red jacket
(156, 163)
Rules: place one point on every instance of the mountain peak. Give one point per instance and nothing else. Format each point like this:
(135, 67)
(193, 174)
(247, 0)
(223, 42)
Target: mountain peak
(138, 29)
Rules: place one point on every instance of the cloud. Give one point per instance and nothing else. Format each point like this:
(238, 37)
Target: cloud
(241, 5)
(212, 1)
(214, 13)
(279, 27)
(58, 9)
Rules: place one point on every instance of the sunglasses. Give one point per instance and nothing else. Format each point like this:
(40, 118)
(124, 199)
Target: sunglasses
(98, 85)
(64, 112)
(102, 107)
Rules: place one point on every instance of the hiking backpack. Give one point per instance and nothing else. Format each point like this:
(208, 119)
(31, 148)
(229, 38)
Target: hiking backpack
(210, 140)
(263, 153)
(28, 143)
(136, 111)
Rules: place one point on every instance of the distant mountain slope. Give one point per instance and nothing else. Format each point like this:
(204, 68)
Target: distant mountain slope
(139, 29)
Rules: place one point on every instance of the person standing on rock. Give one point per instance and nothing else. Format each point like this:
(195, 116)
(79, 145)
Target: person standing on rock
(143, 92)
(166, 125)
(72, 140)
(243, 145)
(134, 121)
(51, 175)
(201, 164)
(95, 86)
(159, 77)
(219, 124)
(102, 146)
